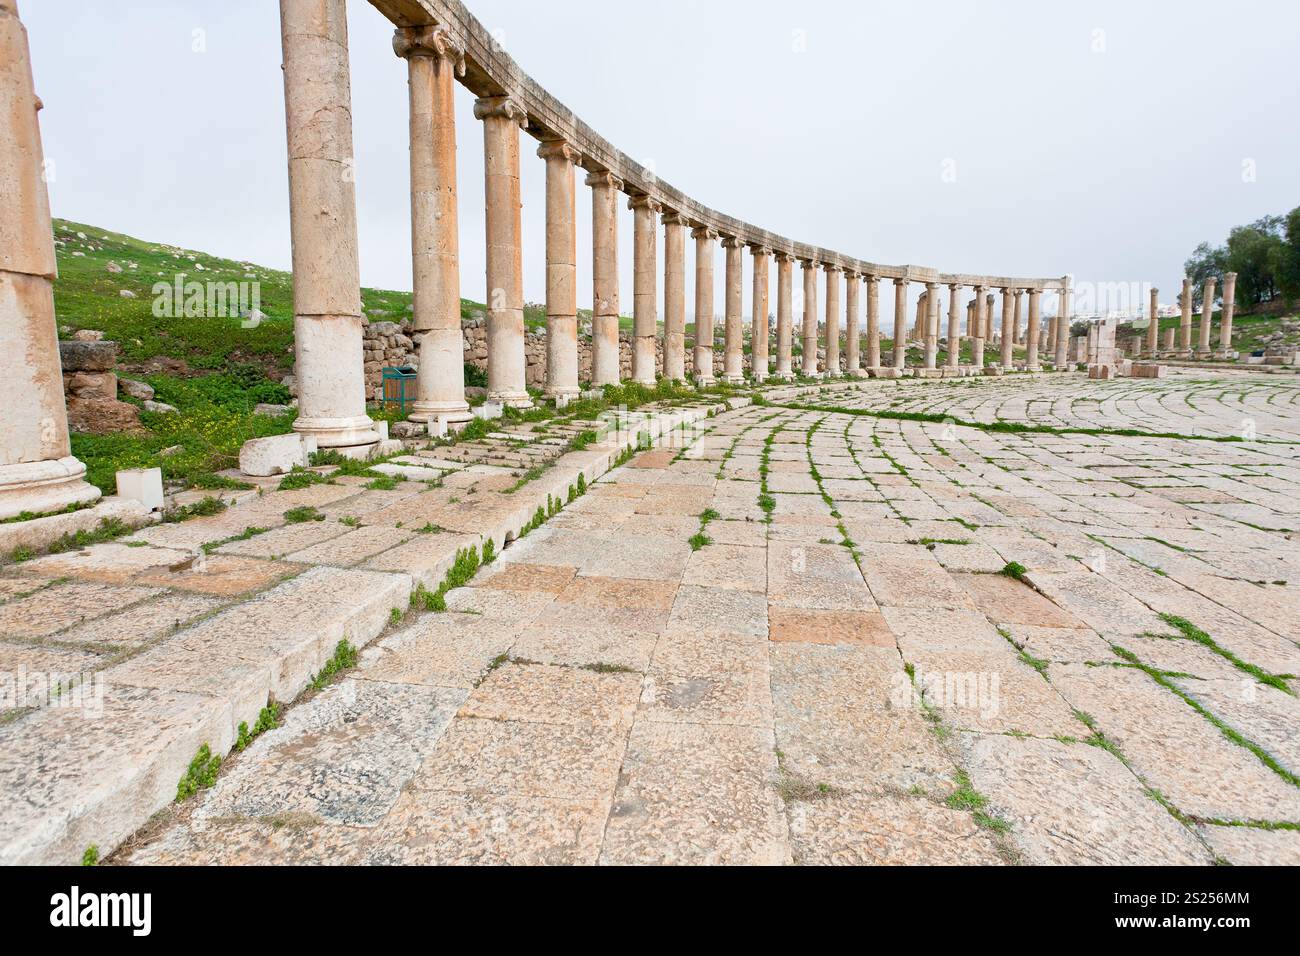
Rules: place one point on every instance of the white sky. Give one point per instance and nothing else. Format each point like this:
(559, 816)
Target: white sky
(1110, 164)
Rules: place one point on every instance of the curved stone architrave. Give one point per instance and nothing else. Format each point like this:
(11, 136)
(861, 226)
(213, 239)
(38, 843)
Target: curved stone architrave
(490, 71)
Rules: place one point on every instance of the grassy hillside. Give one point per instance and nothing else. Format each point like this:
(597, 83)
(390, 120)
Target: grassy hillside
(1250, 332)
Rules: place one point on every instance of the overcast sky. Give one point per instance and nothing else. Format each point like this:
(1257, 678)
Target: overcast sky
(1032, 139)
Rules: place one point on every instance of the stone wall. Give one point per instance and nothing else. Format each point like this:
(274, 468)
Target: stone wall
(392, 344)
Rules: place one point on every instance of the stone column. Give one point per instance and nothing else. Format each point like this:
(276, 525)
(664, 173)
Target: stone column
(1185, 320)
(873, 323)
(674, 296)
(809, 364)
(977, 336)
(919, 321)
(645, 304)
(1225, 317)
(1063, 329)
(832, 320)
(733, 356)
(605, 187)
(784, 319)
(1153, 327)
(1033, 334)
(900, 323)
(852, 325)
(1016, 326)
(561, 270)
(1008, 334)
(323, 224)
(759, 332)
(931, 325)
(432, 59)
(703, 237)
(1207, 314)
(954, 325)
(38, 472)
(506, 362)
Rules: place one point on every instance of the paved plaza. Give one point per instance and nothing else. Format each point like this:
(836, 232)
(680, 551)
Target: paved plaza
(819, 634)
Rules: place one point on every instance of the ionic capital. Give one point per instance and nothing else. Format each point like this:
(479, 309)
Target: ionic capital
(901, 280)
(500, 106)
(671, 217)
(732, 242)
(830, 267)
(758, 250)
(704, 232)
(954, 286)
(603, 178)
(430, 41)
(644, 201)
(782, 256)
(809, 263)
(871, 280)
(558, 149)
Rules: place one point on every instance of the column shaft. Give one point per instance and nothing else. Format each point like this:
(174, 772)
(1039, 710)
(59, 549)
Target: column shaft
(604, 277)
(1033, 335)
(852, 324)
(38, 472)
(784, 316)
(645, 304)
(561, 270)
(1229, 305)
(1062, 329)
(432, 58)
(704, 238)
(323, 224)
(506, 361)
(900, 322)
(977, 336)
(809, 364)
(733, 361)
(1185, 319)
(759, 331)
(931, 325)
(832, 321)
(873, 322)
(1008, 334)
(674, 296)
(1153, 327)
(1207, 314)
(954, 325)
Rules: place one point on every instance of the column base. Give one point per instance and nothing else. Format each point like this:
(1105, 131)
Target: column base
(559, 391)
(514, 399)
(733, 379)
(40, 487)
(338, 432)
(785, 376)
(993, 370)
(432, 411)
(888, 371)
(705, 382)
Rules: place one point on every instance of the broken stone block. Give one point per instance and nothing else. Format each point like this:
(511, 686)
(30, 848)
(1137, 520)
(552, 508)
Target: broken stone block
(143, 485)
(275, 455)
(79, 356)
(139, 390)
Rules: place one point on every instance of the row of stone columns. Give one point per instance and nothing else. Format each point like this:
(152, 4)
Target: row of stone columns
(1207, 311)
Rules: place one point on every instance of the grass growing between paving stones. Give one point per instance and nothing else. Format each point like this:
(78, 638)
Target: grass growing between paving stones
(199, 775)
(267, 719)
(700, 539)
(1191, 632)
(1163, 679)
(344, 658)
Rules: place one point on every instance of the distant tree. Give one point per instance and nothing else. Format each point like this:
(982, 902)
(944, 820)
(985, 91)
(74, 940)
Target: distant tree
(1253, 253)
(1205, 261)
(1287, 267)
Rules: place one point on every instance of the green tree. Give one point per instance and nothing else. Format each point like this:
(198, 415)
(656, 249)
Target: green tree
(1287, 267)
(1205, 261)
(1253, 253)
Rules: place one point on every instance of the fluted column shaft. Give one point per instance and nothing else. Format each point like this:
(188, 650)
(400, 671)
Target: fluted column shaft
(759, 332)
(704, 238)
(832, 320)
(809, 364)
(1033, 334)
(674, 296)
(506, 361)
(784, 315)
(561, 270)
(1062, 329)
(852, 324)
(604, 277)
(1153, 327)
(38, 472)
(954, 325)
(1185, 319)
(323, 224)
(900, 322)
(1207, 314)
(645, 301)
(977, 335)
(432, 58)
(1229, 306)
(1008, 334)
(931, 325)
(733, 356)
(873, 322)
